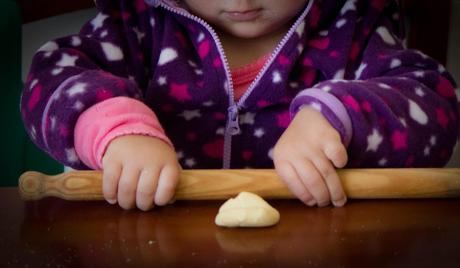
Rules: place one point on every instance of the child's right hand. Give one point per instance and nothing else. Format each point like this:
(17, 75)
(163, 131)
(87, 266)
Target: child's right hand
(139, 171)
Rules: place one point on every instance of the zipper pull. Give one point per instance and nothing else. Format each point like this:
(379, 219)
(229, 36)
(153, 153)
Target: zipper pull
(233, 127)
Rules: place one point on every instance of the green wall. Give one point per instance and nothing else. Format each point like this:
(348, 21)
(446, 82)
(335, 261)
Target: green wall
(18, 152)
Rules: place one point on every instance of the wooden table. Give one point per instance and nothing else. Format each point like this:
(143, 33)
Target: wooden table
(371, 233)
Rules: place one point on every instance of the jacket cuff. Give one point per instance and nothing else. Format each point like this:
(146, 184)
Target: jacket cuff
(329, 106)
(112, 118)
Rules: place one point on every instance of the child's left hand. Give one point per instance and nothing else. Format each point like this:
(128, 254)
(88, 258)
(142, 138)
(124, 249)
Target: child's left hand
(305, 156)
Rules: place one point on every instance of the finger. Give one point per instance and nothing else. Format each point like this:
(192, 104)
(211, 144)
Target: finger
(290, 177)
(110, 177)
(127, 187)
(146, 188)
(332, 180)
(313, 180)
(337, 153)
(167, 182)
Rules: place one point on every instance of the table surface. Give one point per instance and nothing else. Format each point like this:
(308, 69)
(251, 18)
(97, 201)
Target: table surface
(364, 233)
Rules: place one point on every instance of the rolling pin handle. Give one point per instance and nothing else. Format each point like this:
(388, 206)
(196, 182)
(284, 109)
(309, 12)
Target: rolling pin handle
(31, 185)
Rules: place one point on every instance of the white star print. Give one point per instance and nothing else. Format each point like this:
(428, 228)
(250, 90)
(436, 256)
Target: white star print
(78, 88)
(139, 34)
(247, 118)
(53, 122)
(208, 103)
(259, 132)
(67, 60)
(433, 140)
(294, 85)
(162, 80)
(190, 114)
(76, 41)
(276, 77)
(98, 21)
(104, 34)
(419, 91)
(191, 63)
(78, 106)
(33, 133)
(426, 151)
(167, 55)
(403, 121)
(417, 114)
(441, 69)
(300, 29)
(382, 162)
(200, 37)
(220, 131)
(419, 74)
(300, 48)
(48, 47)
(190, 162)
(33, 83)
(340, 23)
(395, 63)
(340, 74)
(71, 155)
(373, 141)
(111, 51)
(349, 6)
(360, 70)
(57, 71)
(326, 88)
(386, 35)
(384, 86)
(315, 106)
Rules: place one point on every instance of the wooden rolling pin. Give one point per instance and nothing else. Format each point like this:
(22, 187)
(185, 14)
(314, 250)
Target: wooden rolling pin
(223, 184)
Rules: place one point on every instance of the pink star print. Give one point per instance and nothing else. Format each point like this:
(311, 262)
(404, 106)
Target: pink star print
(179, 92)
(399, 140)
(283, 119)
(350, 101)
(442, 117)
(35, 97)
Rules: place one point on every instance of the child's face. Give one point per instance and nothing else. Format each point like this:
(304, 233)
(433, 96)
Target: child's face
(246, 18)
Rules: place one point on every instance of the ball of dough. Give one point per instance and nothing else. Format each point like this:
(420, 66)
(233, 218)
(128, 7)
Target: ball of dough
(247, 210)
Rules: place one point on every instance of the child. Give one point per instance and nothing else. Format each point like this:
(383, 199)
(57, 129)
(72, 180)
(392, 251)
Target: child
(148, 87)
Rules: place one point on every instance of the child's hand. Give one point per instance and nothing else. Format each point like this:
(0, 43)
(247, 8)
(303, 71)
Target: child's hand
(305, 156)
(139, 171)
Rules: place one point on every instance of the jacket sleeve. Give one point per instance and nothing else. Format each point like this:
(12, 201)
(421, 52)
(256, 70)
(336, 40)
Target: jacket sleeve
(393, 107)
(107, 59)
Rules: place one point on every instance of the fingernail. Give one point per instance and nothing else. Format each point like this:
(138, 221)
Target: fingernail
(323, 204)
(112, 201)
(340, 203)
(311, 203)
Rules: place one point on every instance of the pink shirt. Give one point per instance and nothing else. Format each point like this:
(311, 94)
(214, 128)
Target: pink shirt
(119, 116)
(243, 76)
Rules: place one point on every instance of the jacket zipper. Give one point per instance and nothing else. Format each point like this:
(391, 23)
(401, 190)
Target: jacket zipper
(233, 127)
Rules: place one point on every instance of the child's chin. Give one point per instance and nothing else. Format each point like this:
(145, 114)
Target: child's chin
(246, 31)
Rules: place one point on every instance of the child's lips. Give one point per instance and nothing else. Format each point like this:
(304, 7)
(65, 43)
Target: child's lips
(242, 16)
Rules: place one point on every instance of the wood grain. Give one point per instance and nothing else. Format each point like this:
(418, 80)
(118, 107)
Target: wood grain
(222, 184)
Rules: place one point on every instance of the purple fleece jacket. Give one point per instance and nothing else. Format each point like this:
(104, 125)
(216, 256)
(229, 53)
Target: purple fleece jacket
(392, 106)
